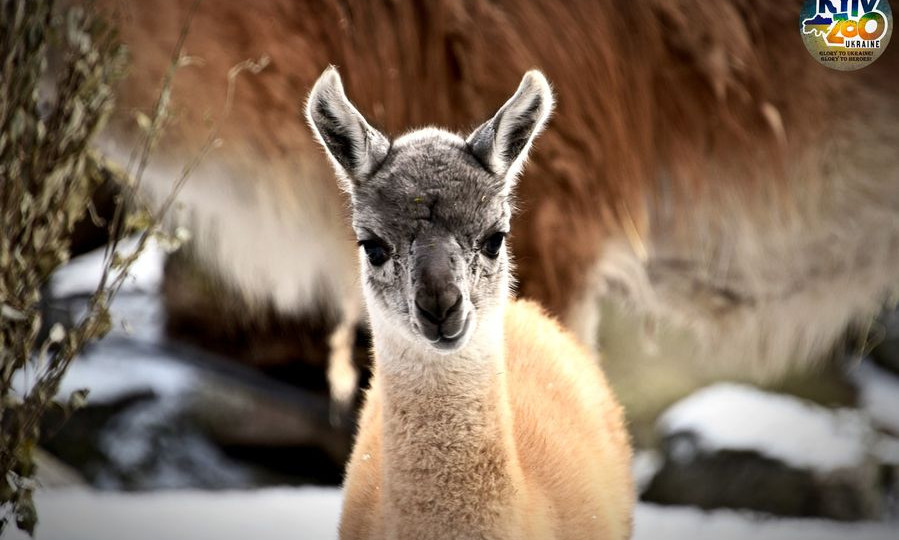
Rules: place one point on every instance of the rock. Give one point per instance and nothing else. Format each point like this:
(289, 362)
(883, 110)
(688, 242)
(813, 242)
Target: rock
(162, 413)
(887, 450)
(886, 353)
(257, 418)
(734, 446)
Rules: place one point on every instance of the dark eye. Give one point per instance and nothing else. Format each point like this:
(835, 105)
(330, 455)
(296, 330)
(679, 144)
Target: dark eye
(493, 244)
(376, 250)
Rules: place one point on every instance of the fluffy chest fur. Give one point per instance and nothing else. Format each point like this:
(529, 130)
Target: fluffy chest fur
(543, 454)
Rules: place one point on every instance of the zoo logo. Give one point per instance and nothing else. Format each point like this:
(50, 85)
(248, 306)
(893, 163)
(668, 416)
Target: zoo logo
(846, 34)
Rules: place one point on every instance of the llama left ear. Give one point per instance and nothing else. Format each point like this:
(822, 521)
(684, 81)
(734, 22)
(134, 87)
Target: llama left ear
(502, 143)
(355, 148)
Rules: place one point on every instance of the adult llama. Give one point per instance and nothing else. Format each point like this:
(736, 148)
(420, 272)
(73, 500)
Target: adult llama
(702, 167)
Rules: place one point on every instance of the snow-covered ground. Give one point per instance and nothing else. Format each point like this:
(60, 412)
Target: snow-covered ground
(81, 275)
(312, 514)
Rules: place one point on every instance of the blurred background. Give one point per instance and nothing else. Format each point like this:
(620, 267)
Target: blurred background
(696, 213)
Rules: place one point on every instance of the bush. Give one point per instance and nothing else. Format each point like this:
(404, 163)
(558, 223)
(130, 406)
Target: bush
(47, 177)
(48, 174)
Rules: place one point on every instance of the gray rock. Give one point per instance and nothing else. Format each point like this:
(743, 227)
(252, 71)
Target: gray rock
(162, 413)
(886, 352)
(732, 446)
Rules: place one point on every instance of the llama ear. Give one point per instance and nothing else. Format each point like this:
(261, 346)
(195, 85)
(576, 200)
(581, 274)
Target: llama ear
(502, 143)
(355, 148)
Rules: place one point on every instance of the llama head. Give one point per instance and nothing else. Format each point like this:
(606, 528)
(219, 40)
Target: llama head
(431, 210)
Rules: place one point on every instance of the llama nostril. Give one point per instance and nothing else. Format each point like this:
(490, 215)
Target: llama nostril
(456, 303)
(436, 306)
(424, 312)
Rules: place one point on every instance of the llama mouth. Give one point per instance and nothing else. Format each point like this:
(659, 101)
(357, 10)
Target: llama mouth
(453, 341)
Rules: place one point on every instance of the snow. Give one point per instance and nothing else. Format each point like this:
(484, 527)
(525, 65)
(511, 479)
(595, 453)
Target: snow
(115, 368)
(879, 391)
(686, 523)
(81, 275)
(646, 464)
(788, 429)
(110, 374)
(271, 514)
(312, 514)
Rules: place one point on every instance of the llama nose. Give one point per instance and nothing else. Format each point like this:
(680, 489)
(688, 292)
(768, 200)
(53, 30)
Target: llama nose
(437, 304)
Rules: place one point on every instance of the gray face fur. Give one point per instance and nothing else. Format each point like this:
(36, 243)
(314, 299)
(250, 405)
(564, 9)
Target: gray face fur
(431, 210)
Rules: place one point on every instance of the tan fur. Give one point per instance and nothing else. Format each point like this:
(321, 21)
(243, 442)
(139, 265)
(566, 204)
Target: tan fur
(692, 170)
(538, 449)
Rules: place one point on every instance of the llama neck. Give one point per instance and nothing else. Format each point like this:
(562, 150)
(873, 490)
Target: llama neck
(449, 459)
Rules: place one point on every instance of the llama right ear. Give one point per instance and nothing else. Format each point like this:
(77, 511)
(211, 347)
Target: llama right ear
(355, 148)
(502, 143)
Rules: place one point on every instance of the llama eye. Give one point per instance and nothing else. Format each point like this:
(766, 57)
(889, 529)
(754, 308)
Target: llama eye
(376, 251)
(493, 244)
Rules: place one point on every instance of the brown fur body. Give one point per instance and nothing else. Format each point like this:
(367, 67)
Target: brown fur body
(499, 461)
(693, 168)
